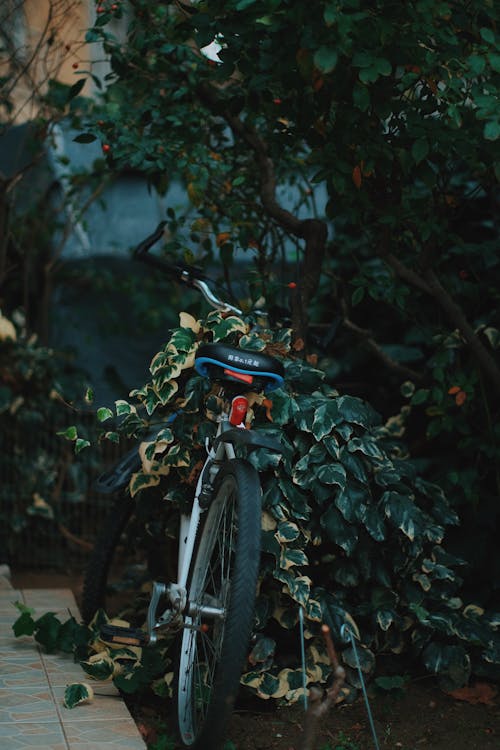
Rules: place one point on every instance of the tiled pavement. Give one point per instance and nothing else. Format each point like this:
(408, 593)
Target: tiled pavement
(32, 687)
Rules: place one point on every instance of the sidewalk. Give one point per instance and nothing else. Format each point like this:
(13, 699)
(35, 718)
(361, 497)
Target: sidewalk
(32, 685)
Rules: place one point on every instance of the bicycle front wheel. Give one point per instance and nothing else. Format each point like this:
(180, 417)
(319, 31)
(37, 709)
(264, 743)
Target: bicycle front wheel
(221, 597)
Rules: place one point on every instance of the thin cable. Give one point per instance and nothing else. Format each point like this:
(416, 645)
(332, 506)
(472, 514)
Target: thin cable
(303, 655)
(343, 632)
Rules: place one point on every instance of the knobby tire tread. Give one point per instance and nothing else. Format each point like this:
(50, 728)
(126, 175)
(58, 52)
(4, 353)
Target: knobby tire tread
(239, 620)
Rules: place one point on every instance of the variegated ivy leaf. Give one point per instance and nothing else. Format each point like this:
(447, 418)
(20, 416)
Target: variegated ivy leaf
(178, 455)
(298, 587)
(77, 693)
(80, 444)
(437, 571)
(268, 685)
(166, 391)
(181, 340)
(403, 513)
(284, 407)
(354, 410)
(296, 498)
(150, 398)
(331, 444)
(123, 408)
(103, 413)
(100, 666)
(350, 500)
(140, 481)
(450, 663)
(262, 654)
(314, 611)
(493, 336)
(291, 557)
(286, 616)
(171, 371)
(160, 360)
(252, 342)
(222, 327)
(332, 473)
(268, 522)
(374, 522)
(362, 656)
(423, 580)
(339, 531)
(325, 418)
(367, 445)
(288, 680)
(187, 321)
(287, 532)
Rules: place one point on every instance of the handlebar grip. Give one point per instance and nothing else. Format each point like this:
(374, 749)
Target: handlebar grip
(144, 246)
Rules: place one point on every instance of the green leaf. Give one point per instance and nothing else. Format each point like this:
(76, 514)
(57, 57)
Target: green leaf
(368, 446)
(25, 624)
(244, 4)
(123, 408)
(325, 419)
(292, 557)
(357, 295)
(492, 130)
(339, 531)
(47, 629)
(76, 88)
(287, 532)
(70, 433)
(403, 513)
(332, 473)
(325, 59)
(103, 413)
(77, 693)
(488, 35)
(373, 522)
(420, 150)
(85, 138)
(99, 669)
(80, 444)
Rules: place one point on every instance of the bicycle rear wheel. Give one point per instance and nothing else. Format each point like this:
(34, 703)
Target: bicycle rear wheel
(221, 597)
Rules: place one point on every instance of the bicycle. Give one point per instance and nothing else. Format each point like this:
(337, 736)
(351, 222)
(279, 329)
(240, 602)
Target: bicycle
(212, 600)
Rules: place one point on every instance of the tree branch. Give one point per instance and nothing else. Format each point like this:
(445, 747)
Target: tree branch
(430, 284)
(312, 231)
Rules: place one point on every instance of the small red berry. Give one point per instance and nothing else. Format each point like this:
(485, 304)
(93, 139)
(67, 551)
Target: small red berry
(106, 147)
(277, 100)
(292, 285)
(100, 9)
(463, 275)
(114, 6)
(75, 66)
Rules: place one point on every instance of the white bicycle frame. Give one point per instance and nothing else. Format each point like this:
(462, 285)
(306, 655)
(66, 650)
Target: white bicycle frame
(188, 528)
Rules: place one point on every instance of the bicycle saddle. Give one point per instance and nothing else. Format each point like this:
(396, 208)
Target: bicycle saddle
(223, 362)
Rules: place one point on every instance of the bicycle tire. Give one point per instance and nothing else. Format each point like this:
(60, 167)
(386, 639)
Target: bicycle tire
(96, 579)
(229, 536)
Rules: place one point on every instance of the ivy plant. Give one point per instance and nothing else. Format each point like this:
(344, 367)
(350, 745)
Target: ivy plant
(352, 535)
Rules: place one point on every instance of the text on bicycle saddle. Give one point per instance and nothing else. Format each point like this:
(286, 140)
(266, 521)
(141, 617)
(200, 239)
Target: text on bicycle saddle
(221, 361)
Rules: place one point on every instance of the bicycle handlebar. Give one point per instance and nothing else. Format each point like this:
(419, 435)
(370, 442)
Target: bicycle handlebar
(190, 275)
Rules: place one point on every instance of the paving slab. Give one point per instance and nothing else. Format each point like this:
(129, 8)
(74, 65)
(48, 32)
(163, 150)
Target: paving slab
(32, 685)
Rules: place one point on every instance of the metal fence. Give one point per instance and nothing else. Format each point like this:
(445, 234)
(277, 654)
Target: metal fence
(52, 529)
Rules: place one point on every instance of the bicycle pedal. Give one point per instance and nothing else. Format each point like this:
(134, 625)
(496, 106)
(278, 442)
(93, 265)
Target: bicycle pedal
(124, 636)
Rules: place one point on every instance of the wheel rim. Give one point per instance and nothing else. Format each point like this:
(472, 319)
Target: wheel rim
(209, 600)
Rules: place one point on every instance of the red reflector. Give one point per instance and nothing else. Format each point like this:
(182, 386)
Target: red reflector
(239, 376)
(239, 406)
